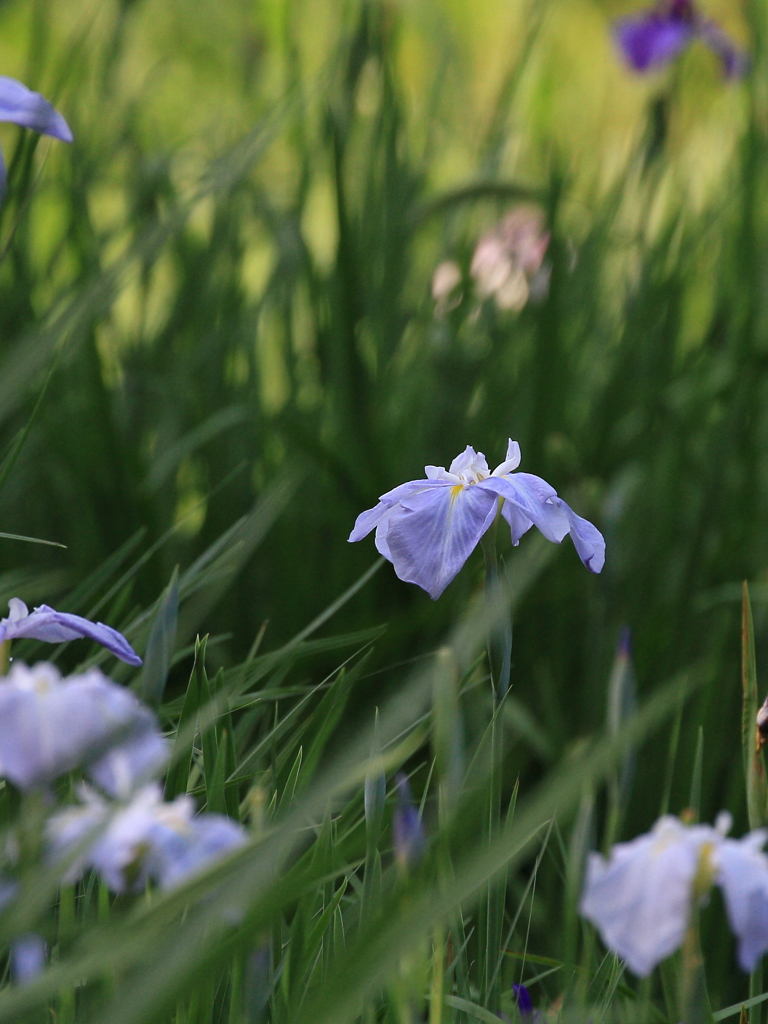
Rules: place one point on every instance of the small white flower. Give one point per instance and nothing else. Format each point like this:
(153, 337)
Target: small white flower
(640, 899)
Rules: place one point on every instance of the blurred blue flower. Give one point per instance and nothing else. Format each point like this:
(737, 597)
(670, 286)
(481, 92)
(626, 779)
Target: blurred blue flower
(28, 955)
(54, 627)
(19, 105)
(408, 836)
(428, 528)
(654, 38)
(144, 839)
(640, 898)
(50, 725)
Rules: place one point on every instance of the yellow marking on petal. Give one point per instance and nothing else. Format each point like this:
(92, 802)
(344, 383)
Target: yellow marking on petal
(705, 871)
(456, 491)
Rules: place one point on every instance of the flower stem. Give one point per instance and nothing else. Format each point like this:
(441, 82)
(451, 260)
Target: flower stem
(499, 638)
(693, 999)
(5, 657)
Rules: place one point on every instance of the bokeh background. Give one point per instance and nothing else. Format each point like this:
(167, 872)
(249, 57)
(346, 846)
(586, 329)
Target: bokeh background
(223, 292)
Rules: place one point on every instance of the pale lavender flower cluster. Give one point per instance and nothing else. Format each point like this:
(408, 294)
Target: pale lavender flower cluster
(641, 898)
(145, 839)
(428, 528)
(51, 725)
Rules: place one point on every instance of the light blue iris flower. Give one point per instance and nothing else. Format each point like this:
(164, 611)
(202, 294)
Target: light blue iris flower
(428, 528)
(640, 898)
(54, 627)
(144, 839)
(19, 105)
(50, 725)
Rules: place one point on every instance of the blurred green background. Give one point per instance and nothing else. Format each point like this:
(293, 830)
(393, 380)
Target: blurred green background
(226, 282)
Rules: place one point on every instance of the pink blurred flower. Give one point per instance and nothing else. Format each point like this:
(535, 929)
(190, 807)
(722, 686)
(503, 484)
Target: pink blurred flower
(507, 264)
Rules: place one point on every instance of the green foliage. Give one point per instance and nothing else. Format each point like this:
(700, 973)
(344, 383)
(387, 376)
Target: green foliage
(218, 345)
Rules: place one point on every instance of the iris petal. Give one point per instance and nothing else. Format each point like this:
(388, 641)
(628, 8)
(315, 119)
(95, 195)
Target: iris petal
(432, 533)
(734, 61)
(534, 498)
(371, 518)
(19, 105)
(529, 499)
(651, 40)
(743, 876)
(53, 627)
(639, 900)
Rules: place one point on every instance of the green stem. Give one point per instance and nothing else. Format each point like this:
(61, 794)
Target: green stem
(499, 641)
(5, 657)
(693, 999)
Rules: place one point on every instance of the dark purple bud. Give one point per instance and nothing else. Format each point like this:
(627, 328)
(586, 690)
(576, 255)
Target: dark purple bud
(408, 835)
(524, 1002)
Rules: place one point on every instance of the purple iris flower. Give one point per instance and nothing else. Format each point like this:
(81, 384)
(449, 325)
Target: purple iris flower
(654, 38)
(524, 1004)
(54, 627)
(19, 105)
(428, 528)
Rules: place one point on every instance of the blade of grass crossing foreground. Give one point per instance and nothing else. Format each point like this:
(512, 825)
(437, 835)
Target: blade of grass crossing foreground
(754, 767)
(161, 644)
(694, 800)
(181, 757)
(754, 771)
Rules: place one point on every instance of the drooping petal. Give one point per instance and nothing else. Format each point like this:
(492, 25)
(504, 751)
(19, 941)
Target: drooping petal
(734, 61)
(743, 876)
(53, 627)
(529, 499)
(21, 106)
(371, 518)
(651, 40)
(640, 899)
(533, 497)
(519, 523)
(432, 534)
(587, 539)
